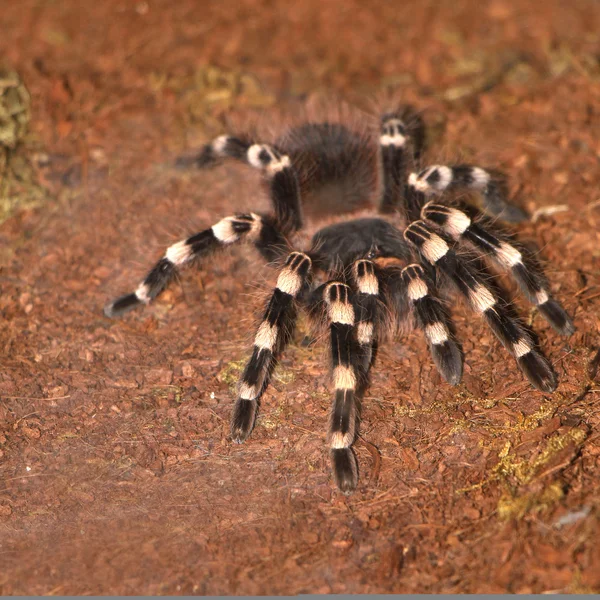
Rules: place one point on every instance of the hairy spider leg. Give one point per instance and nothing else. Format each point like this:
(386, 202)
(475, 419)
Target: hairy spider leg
(433, 320)
(503, 252)
(401, 142)
(367, 304)
(396, 159)
(347, 372)
(507, 329)
(279, 172)
(262, 231)
(436, 179)
(271, 338)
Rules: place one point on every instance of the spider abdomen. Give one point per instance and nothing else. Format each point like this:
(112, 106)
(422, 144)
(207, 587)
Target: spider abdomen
(337, 167)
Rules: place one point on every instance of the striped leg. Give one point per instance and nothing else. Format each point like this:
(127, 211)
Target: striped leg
(224, 146)
(439, 178)
(283, 183)
(346, 364)
(272, 335)
(396, 159)
(401, 143)
(277, 168)
(366, 301)
(528, 276)
(432, 319)
(507, 329)
(260, 230)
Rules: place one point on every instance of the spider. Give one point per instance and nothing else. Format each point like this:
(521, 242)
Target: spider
(362, 275)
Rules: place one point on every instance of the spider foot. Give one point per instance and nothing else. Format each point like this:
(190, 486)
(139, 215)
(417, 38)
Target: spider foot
(538, 370)
(242, 422)
(448, 360)
(434, 322)
(345, 469)
(556, 315)
(121, 305)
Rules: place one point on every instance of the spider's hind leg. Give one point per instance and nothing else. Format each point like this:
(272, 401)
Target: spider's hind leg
(224, 146)
(401, 143)
(436, 179)
(280, 174)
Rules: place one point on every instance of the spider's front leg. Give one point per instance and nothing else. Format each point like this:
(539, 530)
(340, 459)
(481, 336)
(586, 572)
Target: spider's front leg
(366, 300)
(433, 320)
(347, 366)
(353, 320)
(271, 338)
(505, 254)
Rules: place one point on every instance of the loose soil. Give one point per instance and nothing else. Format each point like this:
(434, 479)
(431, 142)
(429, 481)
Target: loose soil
(117, 474)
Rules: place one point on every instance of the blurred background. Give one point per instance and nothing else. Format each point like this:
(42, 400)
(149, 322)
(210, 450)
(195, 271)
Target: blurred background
(117, 476)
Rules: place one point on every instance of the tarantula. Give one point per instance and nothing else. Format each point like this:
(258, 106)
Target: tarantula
(356, 276)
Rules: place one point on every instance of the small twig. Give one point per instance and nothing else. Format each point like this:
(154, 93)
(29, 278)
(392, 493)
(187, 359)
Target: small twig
(546, 211)
(593, 205)
(376, 459)
(593, 366)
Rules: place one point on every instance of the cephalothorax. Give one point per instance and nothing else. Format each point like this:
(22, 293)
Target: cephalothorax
(356, 275)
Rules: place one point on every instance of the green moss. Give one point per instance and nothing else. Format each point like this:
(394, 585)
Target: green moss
(19, 188)
(284, 376)
(231, 372)
(15, 113)
(516, 474)
(211, 89)
(271, 420)
(524, 471)
(516, 507)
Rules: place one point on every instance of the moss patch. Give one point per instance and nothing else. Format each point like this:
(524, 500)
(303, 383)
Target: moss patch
(18, 184)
